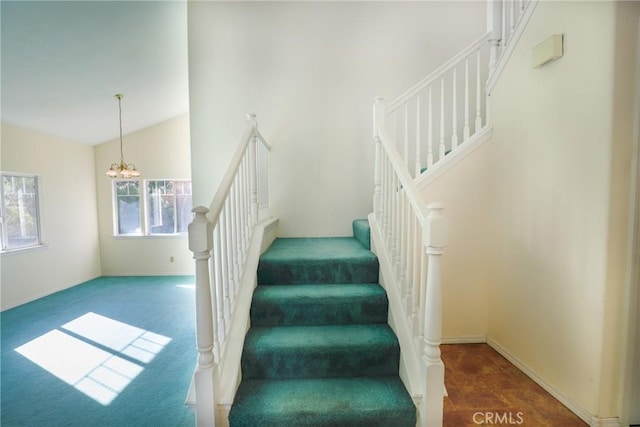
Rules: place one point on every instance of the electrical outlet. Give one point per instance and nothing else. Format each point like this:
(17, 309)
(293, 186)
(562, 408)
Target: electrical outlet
(170, 259)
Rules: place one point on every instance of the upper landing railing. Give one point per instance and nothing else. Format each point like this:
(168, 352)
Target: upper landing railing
(441, 112)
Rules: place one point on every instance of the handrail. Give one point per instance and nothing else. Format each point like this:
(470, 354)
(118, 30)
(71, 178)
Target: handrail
(225, 184)
(223, 236)
(406, 182)
(435, 74)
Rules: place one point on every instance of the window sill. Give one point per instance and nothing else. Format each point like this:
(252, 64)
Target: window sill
(149, 236)
(24, 250)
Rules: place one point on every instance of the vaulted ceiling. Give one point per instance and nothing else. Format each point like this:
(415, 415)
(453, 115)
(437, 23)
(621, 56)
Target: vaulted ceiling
(63, 62)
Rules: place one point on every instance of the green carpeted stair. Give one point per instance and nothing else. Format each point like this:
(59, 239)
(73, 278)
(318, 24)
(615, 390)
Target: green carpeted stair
(319, 351)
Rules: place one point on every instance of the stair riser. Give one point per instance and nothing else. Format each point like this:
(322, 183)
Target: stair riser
(318, 272)
(353, 419)
(349, 311)
(373, 361)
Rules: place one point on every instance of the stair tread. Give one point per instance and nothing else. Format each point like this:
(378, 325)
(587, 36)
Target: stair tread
(319, 337)
(318, 291)
(319, 304)
(303, 260)
(316, 248)
(379, 401)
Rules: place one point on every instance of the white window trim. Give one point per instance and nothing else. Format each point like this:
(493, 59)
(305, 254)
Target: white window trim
(114, 210)
(144, 223)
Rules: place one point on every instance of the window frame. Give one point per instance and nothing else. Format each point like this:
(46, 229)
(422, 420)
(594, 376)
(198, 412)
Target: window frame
(4, 236)
(145, 226)
(115, 209)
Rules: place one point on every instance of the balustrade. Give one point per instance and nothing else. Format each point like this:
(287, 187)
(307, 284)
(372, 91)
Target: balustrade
(219, 237)
(413, 237)
(449, 105)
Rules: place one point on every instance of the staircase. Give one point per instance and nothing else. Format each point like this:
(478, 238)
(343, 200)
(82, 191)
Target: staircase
(319, 351)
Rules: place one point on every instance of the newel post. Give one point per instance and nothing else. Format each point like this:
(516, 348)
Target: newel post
(253, 168)
(201, 243)
(494, 24)
(378, 124)
(436, 236)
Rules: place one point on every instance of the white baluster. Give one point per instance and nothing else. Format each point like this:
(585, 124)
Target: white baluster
(227, 272)
(478, 94)
(496, 34)
(442, 148)
(466, 130)
(231, 253)
(417, 268)
(396, 225)
(430, 131)
(253, 169)
(200, 243)
(378, 123)
(512, 7)
(454, 134)
(406, 135)
(388, 219)
(418, 164)
(423, 292)
(435, 240)
(247, 197)
(403, 235)
(410, 251)
(504, 26)
(219, 289)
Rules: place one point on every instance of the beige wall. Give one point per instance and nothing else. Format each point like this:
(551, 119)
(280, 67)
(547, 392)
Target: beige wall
(560, 200)
(71, 254)
(311, 72)
(160, 151)
(464, 192)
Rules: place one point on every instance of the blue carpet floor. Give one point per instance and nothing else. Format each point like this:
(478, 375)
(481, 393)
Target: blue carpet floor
(114, 351)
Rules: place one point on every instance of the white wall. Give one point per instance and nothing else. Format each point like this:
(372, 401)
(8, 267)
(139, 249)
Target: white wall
(560, 200)
(311, 71)
(71, 254)
(464, 192)
(160, 151)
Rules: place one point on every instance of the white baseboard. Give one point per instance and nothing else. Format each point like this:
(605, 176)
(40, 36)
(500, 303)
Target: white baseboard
(582, 413)
(472, 339)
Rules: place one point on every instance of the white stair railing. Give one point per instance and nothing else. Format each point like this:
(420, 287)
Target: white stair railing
(506, 22)
(433, 119)
(447, 108)
(443, 110)
(409, 238)
(219, 236)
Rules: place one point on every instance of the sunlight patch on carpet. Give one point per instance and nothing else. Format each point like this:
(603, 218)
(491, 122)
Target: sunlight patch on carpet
(85, 364)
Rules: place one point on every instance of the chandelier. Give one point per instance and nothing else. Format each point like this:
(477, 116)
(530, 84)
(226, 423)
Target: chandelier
(122, 169)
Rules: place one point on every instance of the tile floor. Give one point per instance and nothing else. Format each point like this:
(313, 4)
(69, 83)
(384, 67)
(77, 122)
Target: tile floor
(487, 390)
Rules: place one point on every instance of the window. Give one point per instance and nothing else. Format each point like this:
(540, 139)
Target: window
(19, 211)
(127, 202)
(166, 208)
